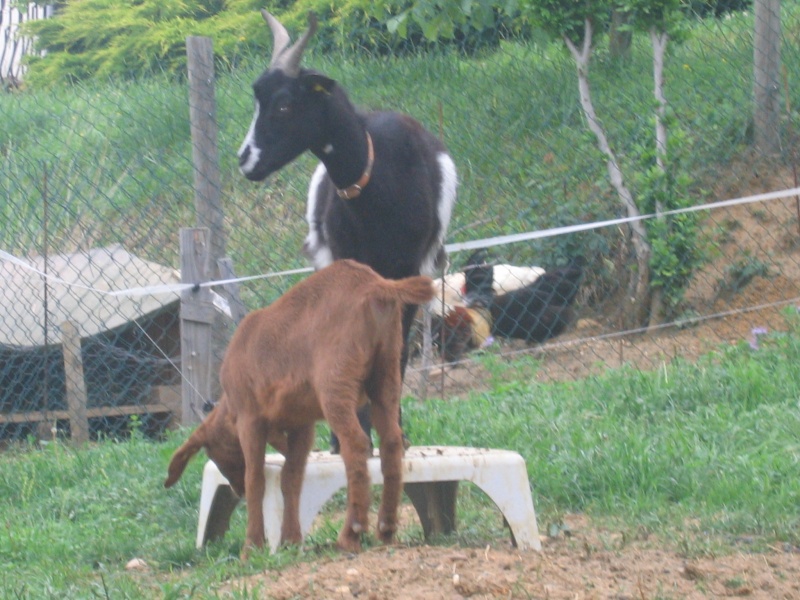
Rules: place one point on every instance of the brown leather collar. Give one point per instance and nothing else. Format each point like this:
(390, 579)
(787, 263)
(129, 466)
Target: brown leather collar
(354, 190)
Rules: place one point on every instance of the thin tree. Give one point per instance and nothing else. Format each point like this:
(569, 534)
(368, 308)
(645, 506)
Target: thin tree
(575, 24)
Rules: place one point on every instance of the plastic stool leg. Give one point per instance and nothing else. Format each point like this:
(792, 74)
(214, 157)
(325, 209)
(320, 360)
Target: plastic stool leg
(217, 503)
(508, 488)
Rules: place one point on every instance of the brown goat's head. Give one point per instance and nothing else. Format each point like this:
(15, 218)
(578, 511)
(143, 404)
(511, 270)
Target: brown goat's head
(217, 434)
(288, 115)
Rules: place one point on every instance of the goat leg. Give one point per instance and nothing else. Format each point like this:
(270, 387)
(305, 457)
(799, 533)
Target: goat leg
(384, 390)
(299, 442)
(364, 420)
(253, 439)
(391, 447)
(355, 448)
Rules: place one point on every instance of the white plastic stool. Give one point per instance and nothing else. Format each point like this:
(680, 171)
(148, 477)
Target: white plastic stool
(430, 474)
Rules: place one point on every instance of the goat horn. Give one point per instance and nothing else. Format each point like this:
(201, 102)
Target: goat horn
(280, 36)
(283, 58)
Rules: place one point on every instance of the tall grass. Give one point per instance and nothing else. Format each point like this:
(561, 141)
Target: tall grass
(699, 454)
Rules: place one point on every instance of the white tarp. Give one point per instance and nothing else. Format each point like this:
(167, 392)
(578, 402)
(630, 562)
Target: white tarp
(22, 293)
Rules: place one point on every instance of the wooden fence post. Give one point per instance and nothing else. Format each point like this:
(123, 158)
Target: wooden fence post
(767, 69)
(207, 187)
(197, 317)
(75, 384)
(205, 154)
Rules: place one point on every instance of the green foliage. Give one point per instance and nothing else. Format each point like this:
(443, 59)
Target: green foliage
(740, 273)
(443, 19)
(135, 38)
(675, 240)
(132, 38)
(663, 16)
(566, 19)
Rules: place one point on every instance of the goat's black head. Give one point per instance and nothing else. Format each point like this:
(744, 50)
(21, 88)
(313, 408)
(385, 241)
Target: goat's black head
(288, 116)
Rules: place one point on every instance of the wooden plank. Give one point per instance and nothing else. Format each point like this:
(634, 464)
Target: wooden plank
(91, 413)
(164, 399)
(75, 384)
(201, 313)
(166, 395)
(196, 325)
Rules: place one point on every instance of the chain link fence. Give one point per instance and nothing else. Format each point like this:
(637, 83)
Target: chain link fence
(97, 180)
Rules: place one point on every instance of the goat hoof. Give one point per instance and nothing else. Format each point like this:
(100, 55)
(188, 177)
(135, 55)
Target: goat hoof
(384, 527)
(244, 555)
(386, 532)
(349, 542)
(292, 538)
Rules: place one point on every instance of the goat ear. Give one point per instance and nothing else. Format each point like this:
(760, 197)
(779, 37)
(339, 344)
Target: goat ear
(318, 83)
(183, 454)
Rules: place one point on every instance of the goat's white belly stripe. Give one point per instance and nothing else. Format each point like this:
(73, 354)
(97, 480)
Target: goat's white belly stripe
(444, 208)
(319, 253)
(447, 194)
(250, 142)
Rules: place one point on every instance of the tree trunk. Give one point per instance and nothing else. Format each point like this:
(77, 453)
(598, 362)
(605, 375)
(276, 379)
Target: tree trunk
(640, 283)
(619, 42)
(659, 40)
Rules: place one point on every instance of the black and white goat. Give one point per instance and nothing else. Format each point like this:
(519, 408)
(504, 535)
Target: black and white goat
(385, 189)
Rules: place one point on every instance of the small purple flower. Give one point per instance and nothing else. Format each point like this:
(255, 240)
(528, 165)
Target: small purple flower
(755, 333)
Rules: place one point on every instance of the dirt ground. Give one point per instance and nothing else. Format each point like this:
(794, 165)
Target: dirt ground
(589, 564)
(592, 562)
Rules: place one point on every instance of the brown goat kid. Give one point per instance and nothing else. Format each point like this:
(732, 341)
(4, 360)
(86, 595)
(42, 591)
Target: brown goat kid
(328, 346)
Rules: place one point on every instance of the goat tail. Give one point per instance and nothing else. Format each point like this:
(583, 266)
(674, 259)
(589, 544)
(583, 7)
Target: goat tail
(411, 290)
(184, 454)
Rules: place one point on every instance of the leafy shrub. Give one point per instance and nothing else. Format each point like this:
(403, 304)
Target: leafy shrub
(676, 240)
(133, 38)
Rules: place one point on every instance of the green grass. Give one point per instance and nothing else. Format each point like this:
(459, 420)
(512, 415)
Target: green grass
(700, 454)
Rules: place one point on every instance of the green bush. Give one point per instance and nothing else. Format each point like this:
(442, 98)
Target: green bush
(134, 38)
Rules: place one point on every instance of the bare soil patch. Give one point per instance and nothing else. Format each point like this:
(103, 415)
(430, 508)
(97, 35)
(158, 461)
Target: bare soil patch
(591, 563)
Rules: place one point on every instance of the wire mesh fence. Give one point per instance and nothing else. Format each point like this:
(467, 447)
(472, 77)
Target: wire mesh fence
(97, 181)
